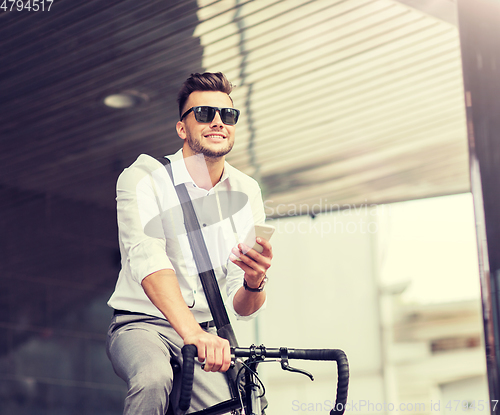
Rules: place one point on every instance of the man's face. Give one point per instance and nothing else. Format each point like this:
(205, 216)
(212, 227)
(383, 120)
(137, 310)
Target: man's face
(214, 139)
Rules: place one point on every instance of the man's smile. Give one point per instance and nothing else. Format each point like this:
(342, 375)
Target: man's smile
(215, 136)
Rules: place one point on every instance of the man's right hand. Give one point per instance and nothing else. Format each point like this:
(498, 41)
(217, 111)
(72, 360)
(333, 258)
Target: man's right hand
(213, 351)
(163, 290)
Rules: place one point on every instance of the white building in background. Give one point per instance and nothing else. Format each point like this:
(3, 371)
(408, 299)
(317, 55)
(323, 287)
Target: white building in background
(325, 291)
(438, 356)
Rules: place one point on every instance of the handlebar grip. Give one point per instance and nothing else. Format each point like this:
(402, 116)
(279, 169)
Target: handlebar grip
(189, 352)
(342, 384)
(342, 371)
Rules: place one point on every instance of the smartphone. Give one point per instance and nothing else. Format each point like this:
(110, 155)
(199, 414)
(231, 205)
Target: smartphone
(258, 231)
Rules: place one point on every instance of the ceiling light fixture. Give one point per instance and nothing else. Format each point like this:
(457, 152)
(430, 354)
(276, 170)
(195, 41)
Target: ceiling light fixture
(126, 99)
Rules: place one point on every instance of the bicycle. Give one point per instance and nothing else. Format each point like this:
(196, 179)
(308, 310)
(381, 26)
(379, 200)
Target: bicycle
(248, 400)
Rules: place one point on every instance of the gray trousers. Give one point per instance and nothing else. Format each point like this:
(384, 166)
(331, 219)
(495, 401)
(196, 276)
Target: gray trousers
(140, 348)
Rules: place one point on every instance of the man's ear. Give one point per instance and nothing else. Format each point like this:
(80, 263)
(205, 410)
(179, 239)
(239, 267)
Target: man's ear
(181, 129)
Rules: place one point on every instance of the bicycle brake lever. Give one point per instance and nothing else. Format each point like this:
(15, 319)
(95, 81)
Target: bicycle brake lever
(286, 366)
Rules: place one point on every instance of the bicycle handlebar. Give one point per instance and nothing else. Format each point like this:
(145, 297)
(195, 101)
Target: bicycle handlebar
(189, 352)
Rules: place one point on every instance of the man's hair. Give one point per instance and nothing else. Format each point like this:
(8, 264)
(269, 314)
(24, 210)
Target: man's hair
(203, 82)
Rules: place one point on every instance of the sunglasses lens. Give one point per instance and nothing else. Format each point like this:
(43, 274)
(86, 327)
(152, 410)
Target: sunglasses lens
(229, 116)
(204, 114)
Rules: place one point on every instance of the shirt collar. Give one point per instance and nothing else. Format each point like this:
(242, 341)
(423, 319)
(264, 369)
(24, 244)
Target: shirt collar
(180, 171)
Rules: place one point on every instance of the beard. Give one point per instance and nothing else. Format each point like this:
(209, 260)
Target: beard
(197, 147)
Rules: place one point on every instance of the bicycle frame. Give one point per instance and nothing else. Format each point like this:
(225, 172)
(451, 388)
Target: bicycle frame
(256, 355)
(253, 402)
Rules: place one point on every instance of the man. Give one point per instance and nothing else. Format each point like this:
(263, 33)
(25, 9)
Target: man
(159, 300)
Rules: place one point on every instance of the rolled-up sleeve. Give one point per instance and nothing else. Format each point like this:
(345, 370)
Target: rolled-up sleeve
(136, 206)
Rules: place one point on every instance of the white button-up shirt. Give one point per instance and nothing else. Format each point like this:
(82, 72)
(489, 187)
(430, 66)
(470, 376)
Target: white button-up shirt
(152, 235)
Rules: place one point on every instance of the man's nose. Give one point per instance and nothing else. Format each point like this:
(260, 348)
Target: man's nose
(217, 121)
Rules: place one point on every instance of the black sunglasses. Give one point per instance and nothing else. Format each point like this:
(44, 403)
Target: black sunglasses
(204, 113)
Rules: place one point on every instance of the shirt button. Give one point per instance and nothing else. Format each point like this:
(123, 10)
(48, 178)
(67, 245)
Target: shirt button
(204, 224)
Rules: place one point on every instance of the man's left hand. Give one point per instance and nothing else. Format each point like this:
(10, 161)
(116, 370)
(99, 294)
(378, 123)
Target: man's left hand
(254, 265)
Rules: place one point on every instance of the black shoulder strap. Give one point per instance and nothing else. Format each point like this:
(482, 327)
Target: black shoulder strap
(202, 260)
(208, 279)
